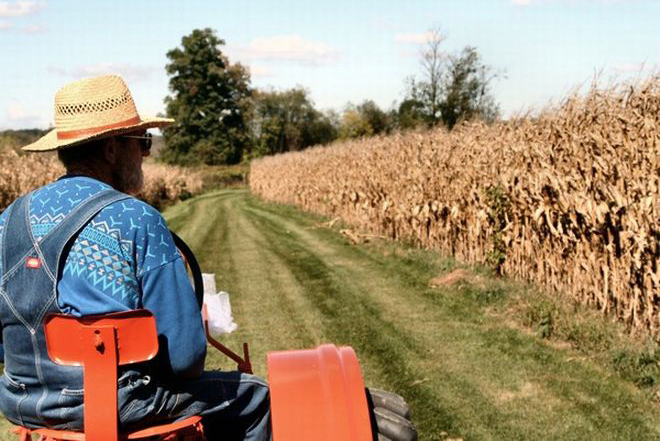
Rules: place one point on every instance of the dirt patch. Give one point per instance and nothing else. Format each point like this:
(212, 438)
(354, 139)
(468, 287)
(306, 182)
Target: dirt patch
(455, 278)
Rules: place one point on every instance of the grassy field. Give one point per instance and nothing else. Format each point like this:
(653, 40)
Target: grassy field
(458, 348)
(454, 351)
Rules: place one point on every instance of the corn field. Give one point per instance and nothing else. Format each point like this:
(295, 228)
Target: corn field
(569, 199)
(21, 173)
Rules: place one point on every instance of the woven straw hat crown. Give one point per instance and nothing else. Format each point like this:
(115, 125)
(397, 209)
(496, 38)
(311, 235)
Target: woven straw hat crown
(93, 108)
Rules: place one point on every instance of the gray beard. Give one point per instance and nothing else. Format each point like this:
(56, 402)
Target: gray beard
(129, 179)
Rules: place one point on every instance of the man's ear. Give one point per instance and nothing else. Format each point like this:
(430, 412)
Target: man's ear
(111, 150)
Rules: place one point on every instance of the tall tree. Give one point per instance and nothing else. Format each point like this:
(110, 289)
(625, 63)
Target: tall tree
(430, 88)
(467, 89)
(208, 101)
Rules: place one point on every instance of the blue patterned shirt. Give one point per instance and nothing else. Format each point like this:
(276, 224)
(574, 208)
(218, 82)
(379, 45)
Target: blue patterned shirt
(124, 258)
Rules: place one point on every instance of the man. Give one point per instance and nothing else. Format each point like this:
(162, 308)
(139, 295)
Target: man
(83, 246)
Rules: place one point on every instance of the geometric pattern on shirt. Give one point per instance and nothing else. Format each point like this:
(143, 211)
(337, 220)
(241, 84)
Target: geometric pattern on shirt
(100, 256)
(42, 225)
(106, 271)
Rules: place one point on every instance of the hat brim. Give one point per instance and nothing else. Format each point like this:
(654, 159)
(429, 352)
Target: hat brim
(51, 142)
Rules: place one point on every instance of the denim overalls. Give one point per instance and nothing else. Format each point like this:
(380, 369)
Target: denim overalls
(35, 392)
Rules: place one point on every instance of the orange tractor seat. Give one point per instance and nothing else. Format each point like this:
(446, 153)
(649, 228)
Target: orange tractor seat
(100, 344)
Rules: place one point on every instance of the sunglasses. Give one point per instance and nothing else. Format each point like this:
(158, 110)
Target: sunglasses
(145, 141)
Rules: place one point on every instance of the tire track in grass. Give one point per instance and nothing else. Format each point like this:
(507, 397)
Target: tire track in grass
(265, 297)
(295, 318)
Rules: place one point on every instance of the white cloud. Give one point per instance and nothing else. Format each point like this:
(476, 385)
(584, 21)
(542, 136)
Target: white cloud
(130, 72)
(521, 2)
(16, 9)
(4, 25)
(293, 49)
(415, 38)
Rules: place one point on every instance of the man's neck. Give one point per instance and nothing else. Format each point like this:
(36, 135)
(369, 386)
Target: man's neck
(91, 172)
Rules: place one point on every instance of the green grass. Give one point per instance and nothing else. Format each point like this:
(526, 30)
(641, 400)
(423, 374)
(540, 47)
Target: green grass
(480, 358)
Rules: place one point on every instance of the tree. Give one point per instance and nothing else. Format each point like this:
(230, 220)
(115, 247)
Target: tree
(365, 119)
(467, 89)
(424, 96)
(353, 124)
(208, 101)
(378, 120)
(451, 88)
(410, 114)
(432, 70)
(287, 120)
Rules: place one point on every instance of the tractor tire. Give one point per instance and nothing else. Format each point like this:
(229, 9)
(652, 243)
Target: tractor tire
(390, 417)
(390, 401)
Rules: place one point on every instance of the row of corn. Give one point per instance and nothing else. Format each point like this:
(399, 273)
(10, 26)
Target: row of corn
(568, 198)
(22, 173)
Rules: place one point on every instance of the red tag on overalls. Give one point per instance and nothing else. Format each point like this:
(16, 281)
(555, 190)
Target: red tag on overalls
(33, 262)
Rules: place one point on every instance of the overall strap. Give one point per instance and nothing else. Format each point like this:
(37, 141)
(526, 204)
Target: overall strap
(52, 245)
(16, 241)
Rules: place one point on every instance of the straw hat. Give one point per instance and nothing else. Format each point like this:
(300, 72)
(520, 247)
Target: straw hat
(90, 109)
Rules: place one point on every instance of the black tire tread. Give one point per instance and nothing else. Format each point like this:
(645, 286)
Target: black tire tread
(394, 426)
(390, 416)
(390, 401)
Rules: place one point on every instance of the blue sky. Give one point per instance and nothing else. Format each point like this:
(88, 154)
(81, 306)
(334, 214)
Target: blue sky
(341, 51)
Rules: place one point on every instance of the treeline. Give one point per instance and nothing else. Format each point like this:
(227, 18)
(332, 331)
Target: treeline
(221, 119)
(15, 139)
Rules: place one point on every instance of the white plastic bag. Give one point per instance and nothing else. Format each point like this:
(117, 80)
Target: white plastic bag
(218, 308)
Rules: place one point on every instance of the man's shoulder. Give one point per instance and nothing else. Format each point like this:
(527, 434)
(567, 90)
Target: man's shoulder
(133, 215)
(135, 208)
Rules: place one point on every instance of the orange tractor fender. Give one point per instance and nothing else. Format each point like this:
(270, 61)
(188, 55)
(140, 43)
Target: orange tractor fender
(318, 394)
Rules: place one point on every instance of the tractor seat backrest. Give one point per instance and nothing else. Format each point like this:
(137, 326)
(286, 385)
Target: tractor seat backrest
(68, 338)
(100, 344)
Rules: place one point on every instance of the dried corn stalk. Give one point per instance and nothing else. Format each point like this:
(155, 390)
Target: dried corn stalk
(22, 173)
(570, 198)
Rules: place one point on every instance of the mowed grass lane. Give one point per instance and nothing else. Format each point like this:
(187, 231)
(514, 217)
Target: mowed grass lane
(464, 370)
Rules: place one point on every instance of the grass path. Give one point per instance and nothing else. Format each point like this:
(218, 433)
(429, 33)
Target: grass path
(465, 372)
(450, 351)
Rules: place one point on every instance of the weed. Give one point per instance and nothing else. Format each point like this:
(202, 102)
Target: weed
(642, 367)
(499, 207)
